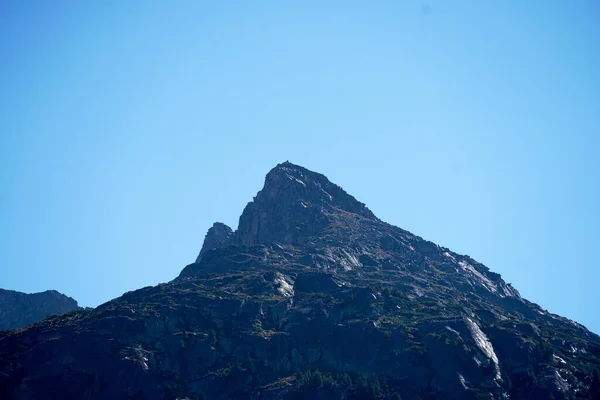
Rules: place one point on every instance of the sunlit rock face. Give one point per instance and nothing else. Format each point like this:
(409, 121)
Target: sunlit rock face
(312, 296)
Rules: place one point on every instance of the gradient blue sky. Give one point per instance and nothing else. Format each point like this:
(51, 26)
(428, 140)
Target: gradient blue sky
(127, 128)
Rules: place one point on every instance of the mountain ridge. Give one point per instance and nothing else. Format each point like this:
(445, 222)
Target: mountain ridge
(20, 309)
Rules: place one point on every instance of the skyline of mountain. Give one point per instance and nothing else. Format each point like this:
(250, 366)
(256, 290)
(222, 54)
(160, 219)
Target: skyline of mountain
(312, 296)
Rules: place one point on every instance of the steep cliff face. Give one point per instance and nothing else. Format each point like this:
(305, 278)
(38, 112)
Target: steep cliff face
(19, 309)
(311, 297)
(294, 204)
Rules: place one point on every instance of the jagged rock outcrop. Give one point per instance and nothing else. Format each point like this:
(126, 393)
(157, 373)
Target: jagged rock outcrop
(18, 309)
(294, 204)
(219, 235)
(311, 297)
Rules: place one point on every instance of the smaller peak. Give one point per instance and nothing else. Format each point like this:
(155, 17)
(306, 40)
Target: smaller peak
(219, 235)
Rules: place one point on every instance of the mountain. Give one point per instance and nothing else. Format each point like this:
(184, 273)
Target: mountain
(312, 296)
(18, 309)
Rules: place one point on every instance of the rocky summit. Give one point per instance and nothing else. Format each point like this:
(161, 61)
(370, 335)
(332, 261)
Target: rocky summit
(311, 297)
(18, 309)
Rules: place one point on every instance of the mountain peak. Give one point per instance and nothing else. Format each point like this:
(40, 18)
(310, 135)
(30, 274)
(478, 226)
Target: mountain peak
(291, 182)
(294, 203)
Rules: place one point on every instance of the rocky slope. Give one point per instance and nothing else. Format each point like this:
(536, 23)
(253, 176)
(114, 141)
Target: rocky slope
(311, 297)
(19, 309)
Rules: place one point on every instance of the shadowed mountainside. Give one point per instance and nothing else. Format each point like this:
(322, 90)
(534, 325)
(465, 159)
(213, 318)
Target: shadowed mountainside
(18, 309)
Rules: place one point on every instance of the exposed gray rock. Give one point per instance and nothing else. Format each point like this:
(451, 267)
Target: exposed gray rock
(294, 203)
(219, 235)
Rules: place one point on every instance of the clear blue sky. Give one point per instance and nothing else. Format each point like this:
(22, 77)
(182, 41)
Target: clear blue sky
(127, 128)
